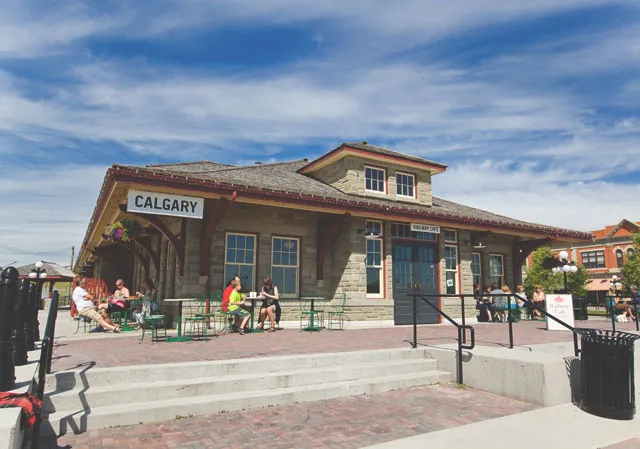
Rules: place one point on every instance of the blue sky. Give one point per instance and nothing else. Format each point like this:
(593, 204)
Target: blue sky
(533, 105)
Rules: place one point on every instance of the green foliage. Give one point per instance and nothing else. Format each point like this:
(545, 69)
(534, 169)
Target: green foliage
(631, 269)
(539, 273)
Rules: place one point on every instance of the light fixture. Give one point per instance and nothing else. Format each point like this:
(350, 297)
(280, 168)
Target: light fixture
(33, 275)
(372, 236)
(479, 244)
(563, 255)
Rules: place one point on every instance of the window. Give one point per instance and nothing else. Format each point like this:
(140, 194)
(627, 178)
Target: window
(403, 231)
(593, 259)
(450, 236)
(240, 259)
(451, 268)
(476, 270)
(619, 258)
(405, 185)
(374, 260)
(285, 265)
(630, 253)
(496, 269)
(374, 180)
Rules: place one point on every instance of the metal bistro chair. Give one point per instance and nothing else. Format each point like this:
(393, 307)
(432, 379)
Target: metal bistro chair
(86, 321)
(337, 316)
(154, 320)
(223, 318)
(209, 316)
(196, 324)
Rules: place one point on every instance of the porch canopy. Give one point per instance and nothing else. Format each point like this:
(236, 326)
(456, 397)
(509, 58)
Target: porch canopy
(55, 273)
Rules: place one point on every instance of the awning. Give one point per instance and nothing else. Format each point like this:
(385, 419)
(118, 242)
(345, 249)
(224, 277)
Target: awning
(596, 285)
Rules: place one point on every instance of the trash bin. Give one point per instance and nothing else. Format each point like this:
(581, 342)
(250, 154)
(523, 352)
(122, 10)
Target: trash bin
(608, 388)
(580, 308)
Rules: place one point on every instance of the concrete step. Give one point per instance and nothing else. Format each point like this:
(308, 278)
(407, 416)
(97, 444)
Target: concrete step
(107, 395)
(68, 380)
(153, 411)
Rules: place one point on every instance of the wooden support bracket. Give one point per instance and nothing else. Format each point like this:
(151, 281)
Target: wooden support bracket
(213, 215)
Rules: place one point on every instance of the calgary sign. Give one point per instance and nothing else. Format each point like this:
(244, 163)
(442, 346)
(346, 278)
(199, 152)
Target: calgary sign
(164, 204)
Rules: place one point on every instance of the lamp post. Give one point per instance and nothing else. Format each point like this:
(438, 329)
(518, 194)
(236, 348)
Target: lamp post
(615, 284)
(564, 266)
(39, 274)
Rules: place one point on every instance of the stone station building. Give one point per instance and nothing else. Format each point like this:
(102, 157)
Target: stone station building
(359, 221)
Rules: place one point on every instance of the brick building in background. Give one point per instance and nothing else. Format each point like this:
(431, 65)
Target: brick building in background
(604, 256)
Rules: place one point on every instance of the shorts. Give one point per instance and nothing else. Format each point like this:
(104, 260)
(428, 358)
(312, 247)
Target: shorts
(239, 312)
(268, 306)
(114, 308)
(91, 313)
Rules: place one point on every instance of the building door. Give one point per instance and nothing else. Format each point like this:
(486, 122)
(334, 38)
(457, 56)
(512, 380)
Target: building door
(414, 270)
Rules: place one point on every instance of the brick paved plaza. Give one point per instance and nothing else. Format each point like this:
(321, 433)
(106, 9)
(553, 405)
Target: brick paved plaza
(125, 349)
(351, 422)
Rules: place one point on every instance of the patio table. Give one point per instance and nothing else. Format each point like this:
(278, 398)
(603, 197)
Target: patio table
(126, 313)
(312, 327)
(253, 309)
(179, 337)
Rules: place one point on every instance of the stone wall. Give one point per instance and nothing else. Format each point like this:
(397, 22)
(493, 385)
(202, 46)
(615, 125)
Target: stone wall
(347, 175)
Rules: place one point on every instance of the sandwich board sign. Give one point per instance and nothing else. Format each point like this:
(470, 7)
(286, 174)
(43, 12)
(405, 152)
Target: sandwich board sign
(561, 307)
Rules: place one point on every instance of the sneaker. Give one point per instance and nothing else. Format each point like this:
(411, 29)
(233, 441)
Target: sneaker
(241, 332)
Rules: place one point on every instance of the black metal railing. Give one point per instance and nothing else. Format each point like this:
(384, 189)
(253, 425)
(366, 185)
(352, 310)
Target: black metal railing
(460, 327)
(44, 365)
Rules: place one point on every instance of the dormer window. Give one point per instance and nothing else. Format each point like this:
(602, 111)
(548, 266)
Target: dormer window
(405, 185)
(375, 180)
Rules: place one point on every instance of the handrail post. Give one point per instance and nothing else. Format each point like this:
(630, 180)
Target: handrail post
(415, 322)
(635, 309)
(464, 334)
(613, 317)
(51, 323)
(459, 373)
(576, 351)
(510, 321)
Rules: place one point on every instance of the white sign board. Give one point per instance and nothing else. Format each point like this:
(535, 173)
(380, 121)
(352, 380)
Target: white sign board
(415, 227)
(561, 307)
(164, 204)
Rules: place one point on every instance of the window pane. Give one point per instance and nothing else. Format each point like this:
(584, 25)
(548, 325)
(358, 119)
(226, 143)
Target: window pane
(249, 256)
(277, 275)
(277, 244)
(231, 255)
(373, 280)
(241, 242)
(451, 282)
(289, 284)
(231, 241)
(239, 256)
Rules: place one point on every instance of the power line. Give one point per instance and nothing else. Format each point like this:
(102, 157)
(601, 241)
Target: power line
(24, 252)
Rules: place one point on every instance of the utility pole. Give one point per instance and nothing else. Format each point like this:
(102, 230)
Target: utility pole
(73, 250)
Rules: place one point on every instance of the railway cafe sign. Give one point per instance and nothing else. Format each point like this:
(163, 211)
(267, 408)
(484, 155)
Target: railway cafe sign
(416, 227)
(164, 204)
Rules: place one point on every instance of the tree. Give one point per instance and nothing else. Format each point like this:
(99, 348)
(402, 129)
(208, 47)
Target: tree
(631, 270)
(539, 273)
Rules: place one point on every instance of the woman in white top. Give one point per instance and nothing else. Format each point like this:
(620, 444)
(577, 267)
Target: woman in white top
(538, 299)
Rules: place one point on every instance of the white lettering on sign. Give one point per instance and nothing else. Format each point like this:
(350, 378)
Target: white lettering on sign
(164, 204)
(416, 227)
(561, 307)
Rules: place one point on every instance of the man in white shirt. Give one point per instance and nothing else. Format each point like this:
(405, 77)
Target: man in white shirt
(84, 303)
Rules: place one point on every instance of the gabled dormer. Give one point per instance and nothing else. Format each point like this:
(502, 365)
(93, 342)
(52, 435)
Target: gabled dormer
(370, 171)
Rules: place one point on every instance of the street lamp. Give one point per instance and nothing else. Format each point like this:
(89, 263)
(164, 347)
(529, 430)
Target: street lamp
(39, 274)
(564, 266)
(615, 284)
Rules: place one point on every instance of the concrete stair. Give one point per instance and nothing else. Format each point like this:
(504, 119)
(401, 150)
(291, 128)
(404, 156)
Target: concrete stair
(94, 398)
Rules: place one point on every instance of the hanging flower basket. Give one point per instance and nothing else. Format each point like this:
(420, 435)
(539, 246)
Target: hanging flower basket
(122, 230)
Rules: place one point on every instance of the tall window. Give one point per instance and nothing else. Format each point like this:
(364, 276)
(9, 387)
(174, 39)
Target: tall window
(593, 259)
(496, 269)
(285, 265)
(405, 184)
(451, 268)
(619, 258)
(374, 180)
(476, 270)
(240, 259)
(630, 253)
(374, 260)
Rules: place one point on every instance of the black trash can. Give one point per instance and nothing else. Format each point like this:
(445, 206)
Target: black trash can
(580, 308)
(608, 388)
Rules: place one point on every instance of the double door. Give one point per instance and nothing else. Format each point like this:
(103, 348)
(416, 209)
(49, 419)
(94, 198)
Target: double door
(415, 270)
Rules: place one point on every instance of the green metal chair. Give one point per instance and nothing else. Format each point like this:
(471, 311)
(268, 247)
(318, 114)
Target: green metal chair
(196, 326)
(211, 314)
(154, 320)
(221, 325)
(337, 316)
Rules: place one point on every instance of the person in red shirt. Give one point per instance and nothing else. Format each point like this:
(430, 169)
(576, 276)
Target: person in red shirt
(227, 293)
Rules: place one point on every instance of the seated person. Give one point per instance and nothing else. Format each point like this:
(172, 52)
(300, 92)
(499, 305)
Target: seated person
(116, 302)
(269, 305)
(226, 294)
(148, 302)
(236, 299)
(84, 303)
